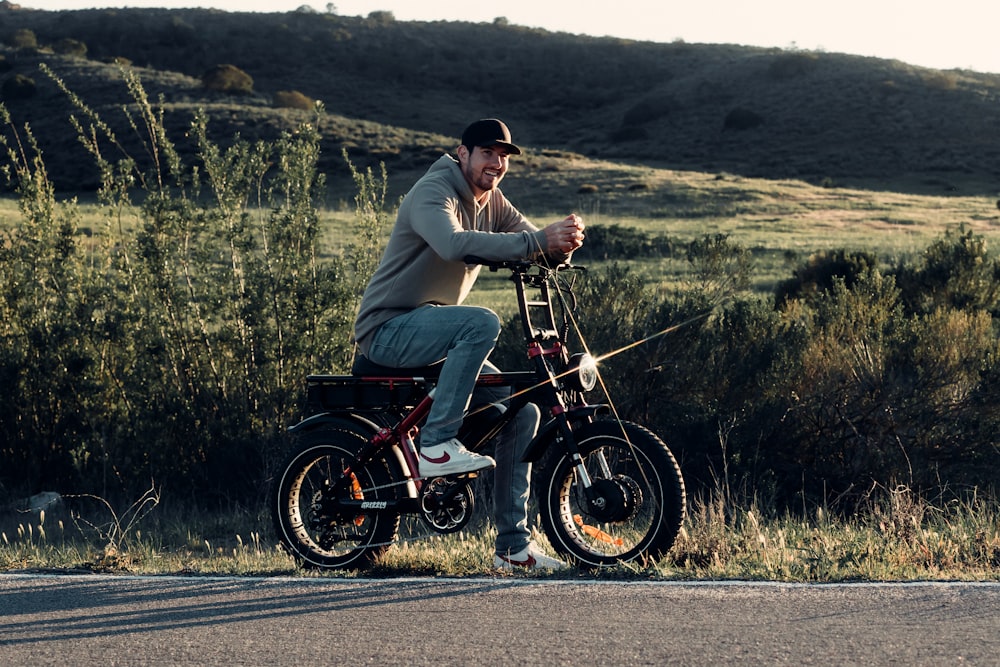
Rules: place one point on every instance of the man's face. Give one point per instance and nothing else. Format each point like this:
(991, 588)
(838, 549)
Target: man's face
(483, 168)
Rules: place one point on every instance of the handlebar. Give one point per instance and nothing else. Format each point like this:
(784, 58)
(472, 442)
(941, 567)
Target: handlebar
(547, 263)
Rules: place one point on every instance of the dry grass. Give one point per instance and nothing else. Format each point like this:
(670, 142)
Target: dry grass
(901, 538)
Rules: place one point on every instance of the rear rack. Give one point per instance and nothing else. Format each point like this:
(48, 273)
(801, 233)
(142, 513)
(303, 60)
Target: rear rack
(325, 393)
(348, 392)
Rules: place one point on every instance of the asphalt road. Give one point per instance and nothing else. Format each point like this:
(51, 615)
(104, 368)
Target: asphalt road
(121, 620)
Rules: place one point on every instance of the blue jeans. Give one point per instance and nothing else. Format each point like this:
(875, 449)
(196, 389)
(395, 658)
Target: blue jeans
(464, 336)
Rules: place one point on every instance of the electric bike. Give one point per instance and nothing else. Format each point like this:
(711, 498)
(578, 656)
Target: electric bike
(607, 490)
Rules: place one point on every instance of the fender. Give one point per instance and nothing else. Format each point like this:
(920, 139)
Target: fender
(363, 427)
(549, 430)
(366, 427)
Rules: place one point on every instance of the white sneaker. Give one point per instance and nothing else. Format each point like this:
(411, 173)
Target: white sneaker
(451, 458)
(529, 558)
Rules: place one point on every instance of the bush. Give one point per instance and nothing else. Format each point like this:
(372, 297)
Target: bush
(822, 270)
(24, 39)
(293, 99)
(173, 347)
(227, 79)
(381, 17)
(620, 242)
(842, 388)
(954, 272)
(70, 47)
(940, 80)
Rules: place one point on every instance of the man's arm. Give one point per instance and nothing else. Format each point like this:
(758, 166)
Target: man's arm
(438, 222)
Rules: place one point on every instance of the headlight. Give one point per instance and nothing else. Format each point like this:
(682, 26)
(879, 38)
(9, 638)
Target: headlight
(582, 375)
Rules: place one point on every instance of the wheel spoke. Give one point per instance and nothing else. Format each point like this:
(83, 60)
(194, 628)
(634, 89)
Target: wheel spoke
(633, 507)
(316, 512)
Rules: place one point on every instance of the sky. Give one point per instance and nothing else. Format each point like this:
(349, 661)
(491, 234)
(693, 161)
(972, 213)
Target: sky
(943, 34)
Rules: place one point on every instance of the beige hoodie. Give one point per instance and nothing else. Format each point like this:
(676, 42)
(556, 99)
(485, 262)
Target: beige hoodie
(439, 224)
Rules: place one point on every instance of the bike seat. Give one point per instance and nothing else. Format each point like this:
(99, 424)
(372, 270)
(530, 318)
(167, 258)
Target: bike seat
(364, 366)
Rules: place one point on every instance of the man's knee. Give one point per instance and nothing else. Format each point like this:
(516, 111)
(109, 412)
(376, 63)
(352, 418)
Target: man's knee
(530, 414)
(526, 422)
(482, 324)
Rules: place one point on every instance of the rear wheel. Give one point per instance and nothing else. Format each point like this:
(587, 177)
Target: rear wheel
(637, 499)
(309, 518)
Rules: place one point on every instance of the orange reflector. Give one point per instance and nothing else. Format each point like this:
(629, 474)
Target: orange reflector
(357, 495)
(596, 533)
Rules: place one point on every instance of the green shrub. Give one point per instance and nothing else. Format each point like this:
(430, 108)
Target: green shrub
(822, 270)
(720, 266)
(381, 17)
(620, 242)
(954, 272)
(840, 389)
(937, 80)
(173, 346)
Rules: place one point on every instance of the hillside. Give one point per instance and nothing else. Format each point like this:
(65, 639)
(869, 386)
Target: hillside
(401, 91)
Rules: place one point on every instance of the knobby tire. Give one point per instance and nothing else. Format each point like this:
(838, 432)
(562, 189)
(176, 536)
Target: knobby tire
(644, 478)
(319, 538)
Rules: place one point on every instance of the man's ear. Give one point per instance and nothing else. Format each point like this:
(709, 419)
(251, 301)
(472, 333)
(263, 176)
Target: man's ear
(463, 153)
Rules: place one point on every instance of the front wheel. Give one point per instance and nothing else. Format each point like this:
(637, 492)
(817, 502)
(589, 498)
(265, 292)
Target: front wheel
(634, 507)
(312, 523)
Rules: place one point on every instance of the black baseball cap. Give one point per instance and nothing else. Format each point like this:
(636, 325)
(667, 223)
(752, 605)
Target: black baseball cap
(489, 132)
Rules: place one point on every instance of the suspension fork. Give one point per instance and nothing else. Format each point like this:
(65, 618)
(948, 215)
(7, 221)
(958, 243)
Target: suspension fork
(557, 408)
(569, 444)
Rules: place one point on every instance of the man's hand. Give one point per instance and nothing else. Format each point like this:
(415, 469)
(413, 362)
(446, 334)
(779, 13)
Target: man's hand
(566, 235)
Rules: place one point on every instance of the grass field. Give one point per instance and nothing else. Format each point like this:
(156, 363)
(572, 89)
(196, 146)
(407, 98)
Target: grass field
(781, 222)
(777, 220)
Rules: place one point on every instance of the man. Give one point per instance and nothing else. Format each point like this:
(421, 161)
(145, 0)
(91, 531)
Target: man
(411, 315)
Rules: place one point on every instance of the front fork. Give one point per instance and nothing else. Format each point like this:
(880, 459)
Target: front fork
(569, 444)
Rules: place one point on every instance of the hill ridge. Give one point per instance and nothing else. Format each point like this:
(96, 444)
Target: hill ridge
(399, 91)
